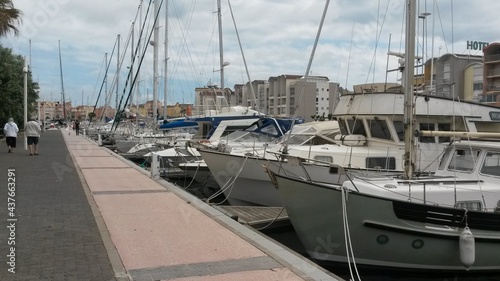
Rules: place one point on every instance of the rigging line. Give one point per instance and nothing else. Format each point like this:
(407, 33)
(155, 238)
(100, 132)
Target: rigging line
(114, 83)
(474, 157)
(347, 236)
(308, 69)
(243, 55)
(95, 86)
(442, 28)
(182, 49)
(142, 58)
(377, 41)
(104, 79)
(116, 121)
(349, 57)
(62, 83)
(374, 57)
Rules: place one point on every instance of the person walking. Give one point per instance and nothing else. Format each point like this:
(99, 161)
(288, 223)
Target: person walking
(32, 131)
(10, 131)
(77, 127)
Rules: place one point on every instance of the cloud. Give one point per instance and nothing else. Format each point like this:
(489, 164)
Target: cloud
(276, 36)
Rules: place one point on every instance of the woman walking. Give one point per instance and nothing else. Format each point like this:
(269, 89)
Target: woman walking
(10, 130)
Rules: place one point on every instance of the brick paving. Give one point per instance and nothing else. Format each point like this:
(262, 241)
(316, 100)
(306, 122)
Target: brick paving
(56, 235)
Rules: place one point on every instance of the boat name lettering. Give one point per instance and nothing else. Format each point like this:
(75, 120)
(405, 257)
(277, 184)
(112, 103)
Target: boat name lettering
(495, 115)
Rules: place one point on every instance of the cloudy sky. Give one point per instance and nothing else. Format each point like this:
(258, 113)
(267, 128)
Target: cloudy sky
(276, 37)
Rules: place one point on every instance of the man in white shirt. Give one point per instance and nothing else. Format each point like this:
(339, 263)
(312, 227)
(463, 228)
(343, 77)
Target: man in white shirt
(32, 131)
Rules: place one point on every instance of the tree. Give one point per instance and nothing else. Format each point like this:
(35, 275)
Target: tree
(9, 16)
(12, 88)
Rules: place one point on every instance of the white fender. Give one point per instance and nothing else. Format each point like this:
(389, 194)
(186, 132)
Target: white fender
(467, 248)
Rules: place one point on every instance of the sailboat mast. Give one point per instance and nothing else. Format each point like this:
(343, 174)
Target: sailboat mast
(165, 85)
(62, 83)
(221, 51)
(409, 158)
(155, 61)
(117, 72)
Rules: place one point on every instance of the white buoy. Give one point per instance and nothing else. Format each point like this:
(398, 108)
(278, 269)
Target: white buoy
(467, 248)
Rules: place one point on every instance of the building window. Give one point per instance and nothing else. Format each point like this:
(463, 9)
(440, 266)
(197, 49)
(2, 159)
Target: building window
(477, 86)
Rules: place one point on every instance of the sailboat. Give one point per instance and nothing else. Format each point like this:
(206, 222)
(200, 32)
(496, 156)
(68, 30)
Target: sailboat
(448, 221)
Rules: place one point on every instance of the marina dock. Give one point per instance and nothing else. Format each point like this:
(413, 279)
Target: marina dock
(85, 213)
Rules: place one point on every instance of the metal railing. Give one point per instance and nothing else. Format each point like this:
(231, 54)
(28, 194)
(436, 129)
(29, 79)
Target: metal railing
(491, 58)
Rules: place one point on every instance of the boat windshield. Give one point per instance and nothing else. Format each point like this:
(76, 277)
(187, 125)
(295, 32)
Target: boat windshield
(491, 164)
(248, 137)
(464, 160)
(296, 139)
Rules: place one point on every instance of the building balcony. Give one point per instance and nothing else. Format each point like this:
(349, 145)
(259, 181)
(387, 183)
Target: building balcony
(492, 59)
(492, 73)
(493, 88)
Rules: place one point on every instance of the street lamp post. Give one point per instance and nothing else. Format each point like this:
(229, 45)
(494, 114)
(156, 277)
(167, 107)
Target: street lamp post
(25, 71)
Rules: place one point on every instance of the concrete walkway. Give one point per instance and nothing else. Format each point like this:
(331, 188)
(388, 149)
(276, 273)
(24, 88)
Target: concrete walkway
(56, 236)
(150, 229)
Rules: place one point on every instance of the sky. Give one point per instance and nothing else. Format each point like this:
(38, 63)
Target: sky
(277, 37)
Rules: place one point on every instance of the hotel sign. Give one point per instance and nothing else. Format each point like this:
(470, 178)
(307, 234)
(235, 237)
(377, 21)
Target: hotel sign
(476, 45)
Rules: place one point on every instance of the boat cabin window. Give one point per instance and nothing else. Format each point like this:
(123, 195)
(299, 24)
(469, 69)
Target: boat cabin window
(469, 205)
(379, 129)
(356, 127)
(463, 160)
(322, 158)
(400, 129)
(385, 163)
(343, 127)
(491, 165)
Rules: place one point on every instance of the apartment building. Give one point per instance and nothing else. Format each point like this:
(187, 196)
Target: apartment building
(454, 76)
(491, 81)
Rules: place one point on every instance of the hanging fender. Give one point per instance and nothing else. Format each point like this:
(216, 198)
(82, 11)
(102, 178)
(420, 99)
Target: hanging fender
(467, 248)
